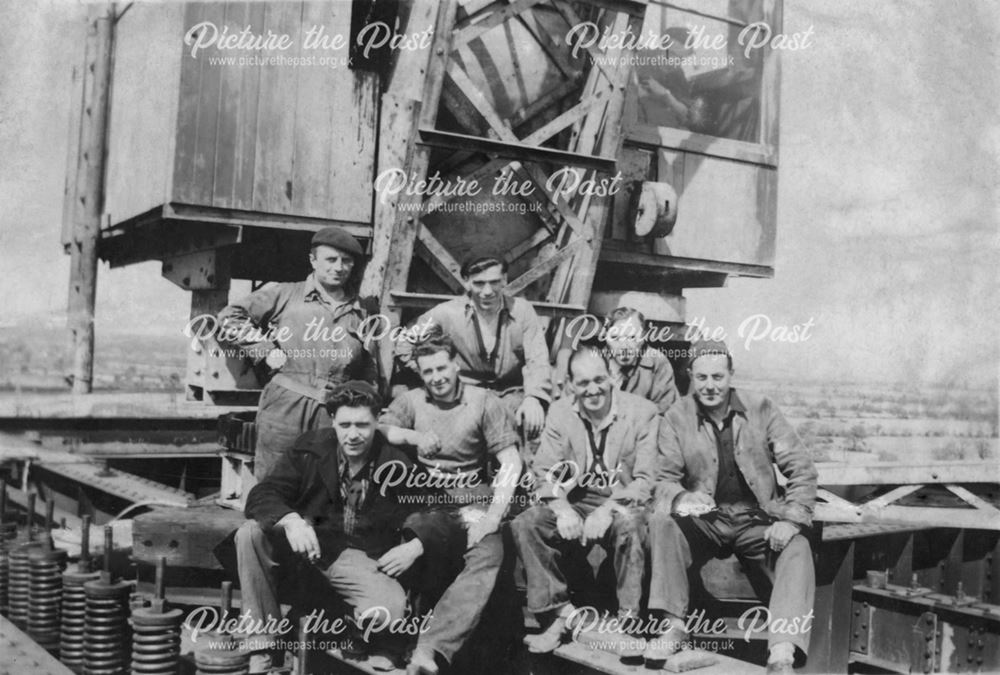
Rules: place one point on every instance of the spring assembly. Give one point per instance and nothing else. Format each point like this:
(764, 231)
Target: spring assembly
(44, 596)
(8, 531)
(222, 662)
(19, 570)
(74, 604)
(105, 633)
(156, 632)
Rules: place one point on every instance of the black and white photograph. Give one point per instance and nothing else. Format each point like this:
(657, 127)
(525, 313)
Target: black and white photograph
(528, 337)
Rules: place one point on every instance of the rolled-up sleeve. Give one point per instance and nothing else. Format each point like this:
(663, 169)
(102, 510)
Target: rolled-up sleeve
(244, 320)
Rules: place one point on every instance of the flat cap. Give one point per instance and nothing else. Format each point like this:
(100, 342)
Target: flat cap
(708, 348)
(339, 239)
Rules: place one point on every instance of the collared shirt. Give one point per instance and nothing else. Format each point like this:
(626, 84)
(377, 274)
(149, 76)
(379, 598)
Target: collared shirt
(471, 428)
(565, 450)
(353, 490)
(319, 337)
(731, 487)
(520, 357)
(652, 377)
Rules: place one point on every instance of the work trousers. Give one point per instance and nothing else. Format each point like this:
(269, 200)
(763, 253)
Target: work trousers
(788, 578)
(283, 416)
(542, 551)
(353, 576)
(457, 581)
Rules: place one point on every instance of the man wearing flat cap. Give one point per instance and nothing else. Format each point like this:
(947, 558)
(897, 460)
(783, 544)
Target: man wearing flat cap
(716, 492)
(315, 323)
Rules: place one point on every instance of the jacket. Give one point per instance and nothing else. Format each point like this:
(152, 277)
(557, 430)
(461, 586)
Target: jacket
(306, 480)
(762, 438)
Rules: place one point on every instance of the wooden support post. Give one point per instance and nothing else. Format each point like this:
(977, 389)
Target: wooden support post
(829, 643)
(88, 195)
(409, 103)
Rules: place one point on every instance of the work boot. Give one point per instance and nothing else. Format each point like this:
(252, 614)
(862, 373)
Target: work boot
(664, 645)
(552, 636)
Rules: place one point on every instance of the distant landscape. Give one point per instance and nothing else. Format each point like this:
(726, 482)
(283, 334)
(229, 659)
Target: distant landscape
(839, 421)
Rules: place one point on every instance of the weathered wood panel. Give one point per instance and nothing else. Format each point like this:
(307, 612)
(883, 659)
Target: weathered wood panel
(143, 102)
(720, 216)
(294, 136)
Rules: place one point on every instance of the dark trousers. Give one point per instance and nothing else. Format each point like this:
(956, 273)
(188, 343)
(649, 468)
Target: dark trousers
(457, 582)
(788, 578)
(542, 551)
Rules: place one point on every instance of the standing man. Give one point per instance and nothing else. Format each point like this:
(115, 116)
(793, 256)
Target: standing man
(335, 501)
(635, 367)
(307, 332)
(716, 491)
(457, 428)
(594, 468)
(500, 342)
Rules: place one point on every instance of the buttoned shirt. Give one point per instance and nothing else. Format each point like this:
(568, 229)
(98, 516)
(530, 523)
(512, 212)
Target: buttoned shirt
(731, 487)
(318, 335)
(762, 438)
(471, 428)
(565, 459)
(353, 490)
(520, 357)
(651, 377)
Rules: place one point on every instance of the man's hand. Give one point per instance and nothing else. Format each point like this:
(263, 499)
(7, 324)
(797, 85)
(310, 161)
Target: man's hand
(693, 504)
(400, 558)
(568, 523)
(275, 359)
(480, 528)
(597, 523)
(780, 533)
(530, 416)
(301, 535)
(428, 444)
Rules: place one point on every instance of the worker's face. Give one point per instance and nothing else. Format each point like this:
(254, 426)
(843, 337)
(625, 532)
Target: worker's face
(440, 375)
(485, 288)
(355, 429)
(625, 340)
(331, 266)
(591, 383)
(711, 379)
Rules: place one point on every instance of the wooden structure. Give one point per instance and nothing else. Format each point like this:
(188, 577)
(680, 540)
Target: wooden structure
(221, 162)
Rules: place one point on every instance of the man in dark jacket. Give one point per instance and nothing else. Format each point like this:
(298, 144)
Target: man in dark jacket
(340, 499)
(717, 491)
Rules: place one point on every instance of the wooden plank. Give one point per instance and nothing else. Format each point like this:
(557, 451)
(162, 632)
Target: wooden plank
(395, 244)
(439, 259)
(770, 99)
(628, 256)
(472, 30)
(428, 300)
(73, 156)
(313, 111)
(829, 642)
(974, 500)
(201, 186)
(354, 144)
(893, 473)
(892, 495)
(541, 269)
(926, 516)
(231, 102)
(514, 150)
(273, 181)
(245, 150)
(187, 110)
(701, 144)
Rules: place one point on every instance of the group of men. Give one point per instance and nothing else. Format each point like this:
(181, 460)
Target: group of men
(411, 498)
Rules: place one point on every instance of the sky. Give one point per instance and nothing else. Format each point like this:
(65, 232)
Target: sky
(887, 201)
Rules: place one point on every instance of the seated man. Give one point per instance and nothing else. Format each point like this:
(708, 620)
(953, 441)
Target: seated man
(499, 342)
(325, 501)
(716, 491)
(457, 428)
(636, 367)
(594, 468)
